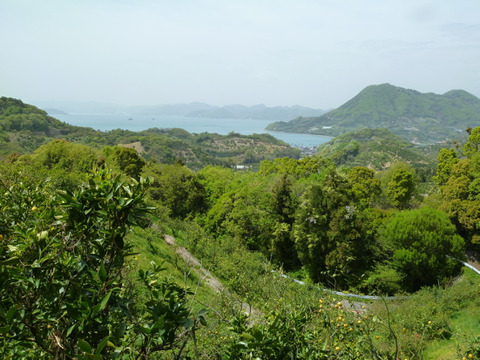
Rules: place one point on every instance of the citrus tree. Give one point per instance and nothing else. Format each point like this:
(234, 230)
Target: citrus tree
(64, 292)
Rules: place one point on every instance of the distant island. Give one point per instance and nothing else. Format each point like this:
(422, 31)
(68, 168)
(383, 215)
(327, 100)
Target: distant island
(194, 110)
(421, 118)
(256, 112)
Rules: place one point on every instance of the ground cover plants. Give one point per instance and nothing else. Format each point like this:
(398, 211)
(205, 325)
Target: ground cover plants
(424, 325)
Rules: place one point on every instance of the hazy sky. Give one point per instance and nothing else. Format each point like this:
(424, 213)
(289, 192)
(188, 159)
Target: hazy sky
(316, 53)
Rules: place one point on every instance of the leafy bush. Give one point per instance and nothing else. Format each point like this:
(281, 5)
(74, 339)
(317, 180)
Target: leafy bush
(63, 291)
(383, 280)
(424, 245)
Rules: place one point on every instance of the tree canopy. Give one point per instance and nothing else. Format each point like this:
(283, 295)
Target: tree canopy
(425, 247)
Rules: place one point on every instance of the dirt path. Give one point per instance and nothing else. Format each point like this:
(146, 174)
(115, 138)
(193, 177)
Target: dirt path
(204, 274)
(192, 261)
(217, 286)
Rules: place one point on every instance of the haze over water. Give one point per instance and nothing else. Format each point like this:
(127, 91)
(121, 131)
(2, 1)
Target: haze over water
(105, 122)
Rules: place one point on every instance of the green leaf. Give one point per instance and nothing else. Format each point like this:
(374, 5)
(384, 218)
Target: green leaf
(248, 337)
(84, 346)
(257, 334)
(188, 323)
(12, 248)
(66, 196)
(100, 306)
(42, 235)
(13, 258)
(11, 313)
(70, 329)
(102, 345)
(102, 273)
(202, 312)
(145, 329)
(325, 344)
(243, 344)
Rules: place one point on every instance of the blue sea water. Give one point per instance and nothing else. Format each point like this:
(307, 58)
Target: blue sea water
(106, 122)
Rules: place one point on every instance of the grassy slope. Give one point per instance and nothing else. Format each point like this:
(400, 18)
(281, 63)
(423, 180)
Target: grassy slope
(248, 276)
(464, 321)
(150, 246)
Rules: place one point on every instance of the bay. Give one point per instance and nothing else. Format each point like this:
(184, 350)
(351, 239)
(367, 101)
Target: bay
(105, 122)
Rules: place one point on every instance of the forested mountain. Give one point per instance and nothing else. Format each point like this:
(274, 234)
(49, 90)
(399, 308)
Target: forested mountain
(424, 118)
(23, 128)
(17, 116)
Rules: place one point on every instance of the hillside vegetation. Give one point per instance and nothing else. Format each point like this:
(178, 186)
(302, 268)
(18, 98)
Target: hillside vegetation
(85, 272)
(23, 128)
(423, 118)
(377, 149)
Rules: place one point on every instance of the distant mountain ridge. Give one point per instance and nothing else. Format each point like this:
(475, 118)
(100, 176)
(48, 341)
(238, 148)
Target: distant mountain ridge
(424, 118)
(194, 109)
(257, 112)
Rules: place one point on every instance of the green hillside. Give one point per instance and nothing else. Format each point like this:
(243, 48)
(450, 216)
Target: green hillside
(424, 118)
(86, 271)
(23, 128)
(77, 279)
(139, 259)
(377, 149)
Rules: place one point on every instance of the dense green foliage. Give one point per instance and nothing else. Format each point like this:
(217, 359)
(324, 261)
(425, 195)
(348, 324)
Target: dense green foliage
(300, 320)
(377, 149)
(459, 181)
(80, 225)
(305, 213)
(329, 234)
(176, 188)
(420, 241)
(17, 116)
(415, 117)
(400, 185)
(23, 128)
(63, 288)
